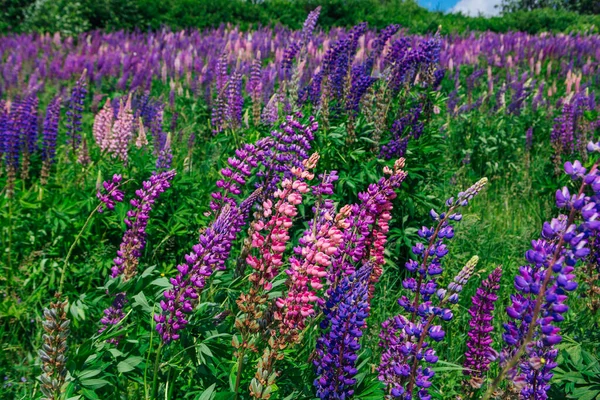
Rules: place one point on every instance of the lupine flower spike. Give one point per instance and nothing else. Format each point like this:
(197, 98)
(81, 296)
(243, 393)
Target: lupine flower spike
(404, 337)
(54, 350)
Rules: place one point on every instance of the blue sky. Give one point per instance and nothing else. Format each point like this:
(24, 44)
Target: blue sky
(472, 7)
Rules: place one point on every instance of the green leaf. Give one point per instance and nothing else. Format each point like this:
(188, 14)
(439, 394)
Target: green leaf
(129, 364)
(209, 393)
(141, 301)
(94, 383)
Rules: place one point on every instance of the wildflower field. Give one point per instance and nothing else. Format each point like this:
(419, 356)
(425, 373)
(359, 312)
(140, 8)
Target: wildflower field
(350, 213)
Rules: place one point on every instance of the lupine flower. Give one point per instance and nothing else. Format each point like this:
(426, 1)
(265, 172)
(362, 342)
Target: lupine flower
(141, 139)
(134, 239)
(345, 314)
(403, 337)
(480, 352)
(542, 286)
(165, 156)
(49, 135)
(113, 315)
(308, 268)
(74, 112)
(83, 157)
(309, 25)
(102, 128)
(361, 241)
(53, 353)
(112, 193)
(207, 256)
(122, 131)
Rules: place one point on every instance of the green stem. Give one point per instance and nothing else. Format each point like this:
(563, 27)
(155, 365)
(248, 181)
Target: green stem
(9, 247)
(66, 262)
(155, 377)
(240, 367)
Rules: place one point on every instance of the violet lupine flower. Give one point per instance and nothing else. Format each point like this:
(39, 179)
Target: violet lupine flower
(74, 112)
(543, 284)
(529, 139)
(309, 25)
(134, 239)
(29, 128)
(480, 352)
(235, 101)
(345, 314)
(403, 338)
(207, 256)
(403, 129)
(113, 315)
(50, 131)
(111, 194)
(102, 128)
(165, 156)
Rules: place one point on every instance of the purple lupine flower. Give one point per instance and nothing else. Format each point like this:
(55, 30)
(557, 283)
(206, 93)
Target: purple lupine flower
(542, 286)
(529, 139)
(345, 315)
(403, 130)
(50, 131)
(111, 193)
(235, 101)
(480, 352)
(74, 112)
(309, 25)
(360, 241)
(113, 315)
(404, 338)
(29, 128)
(165, 155)
(207, 256)
(134, 239)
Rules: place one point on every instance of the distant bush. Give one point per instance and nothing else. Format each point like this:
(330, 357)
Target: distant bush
(71, 17)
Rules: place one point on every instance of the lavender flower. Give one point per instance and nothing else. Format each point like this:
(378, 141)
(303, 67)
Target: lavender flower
(479, 345)
(50, 131)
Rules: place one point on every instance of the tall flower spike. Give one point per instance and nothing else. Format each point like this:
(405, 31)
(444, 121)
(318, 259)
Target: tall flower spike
(207, 256)
(122, 132)
(345, 315)
(74, 112)
(134, 239)
(480, 352)
(54, 350)
(49, 135)
(112, 193)
(102, 128)
(542, 286)
(405, 338)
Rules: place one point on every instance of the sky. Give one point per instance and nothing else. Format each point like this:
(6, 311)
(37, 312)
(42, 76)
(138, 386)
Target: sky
(472, 7)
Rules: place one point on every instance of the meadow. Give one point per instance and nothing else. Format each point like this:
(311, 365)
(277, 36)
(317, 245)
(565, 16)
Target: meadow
(299, 214)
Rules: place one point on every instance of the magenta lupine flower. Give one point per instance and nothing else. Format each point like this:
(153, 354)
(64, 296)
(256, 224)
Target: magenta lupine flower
(480, 352)
(367, 227)
(102, 128)
(542, 286)
(134, 239)
(207, 256)
(111, 194)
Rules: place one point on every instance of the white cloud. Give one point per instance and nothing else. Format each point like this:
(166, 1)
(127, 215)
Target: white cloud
(474, 7)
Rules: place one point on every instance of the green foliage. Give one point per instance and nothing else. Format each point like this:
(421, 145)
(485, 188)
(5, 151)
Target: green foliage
(72, 17)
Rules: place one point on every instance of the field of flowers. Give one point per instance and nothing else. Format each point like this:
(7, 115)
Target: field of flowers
(227, 214)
